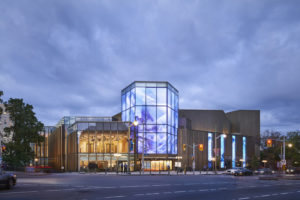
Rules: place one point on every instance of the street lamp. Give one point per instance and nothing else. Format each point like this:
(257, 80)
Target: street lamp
(264, 161)
(290, 145)
(134, 123)
(36, 161)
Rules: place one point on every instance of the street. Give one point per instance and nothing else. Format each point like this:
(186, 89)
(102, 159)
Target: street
(99, 186)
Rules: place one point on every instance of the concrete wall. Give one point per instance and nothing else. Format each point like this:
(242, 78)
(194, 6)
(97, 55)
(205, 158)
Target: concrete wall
(247, 123)
(207, 120)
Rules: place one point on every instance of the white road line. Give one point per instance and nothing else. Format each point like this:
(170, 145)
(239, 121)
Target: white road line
(275, 194)
(112, 197)
(69, 189)
(53, 190)
(298, 191)
(244, 198)
(155, 193)
(139, 195)
(161, 185)
(284, 193)
(203, 190)
(180, 191)
(18, 192)
(265, 195)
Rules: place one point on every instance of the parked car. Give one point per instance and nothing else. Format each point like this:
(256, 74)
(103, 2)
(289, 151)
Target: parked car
(264, 171)
(231, 171)
(243, 172)
(7, 179)
(293, 170)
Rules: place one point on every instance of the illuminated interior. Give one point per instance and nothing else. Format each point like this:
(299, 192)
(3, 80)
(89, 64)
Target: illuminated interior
(155, 106)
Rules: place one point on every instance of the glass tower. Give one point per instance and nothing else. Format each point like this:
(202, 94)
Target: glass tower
(155, 106)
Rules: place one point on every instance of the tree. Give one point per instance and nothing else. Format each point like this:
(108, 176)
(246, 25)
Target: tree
(1, 101)
(25, 130)
(293, 153)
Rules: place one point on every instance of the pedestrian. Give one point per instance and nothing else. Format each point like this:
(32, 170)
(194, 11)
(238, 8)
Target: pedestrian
(122, 169)
(125, 168)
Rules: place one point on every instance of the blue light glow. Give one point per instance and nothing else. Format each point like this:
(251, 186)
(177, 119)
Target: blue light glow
(155, 106)
(244, 151)
(233, 151)
(222, 150)
(209, 146)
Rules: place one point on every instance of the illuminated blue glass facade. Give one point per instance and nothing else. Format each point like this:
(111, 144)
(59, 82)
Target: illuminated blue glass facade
(244, 151)
(155, 106)
(233, 151)
(209, 149)
(222, 151)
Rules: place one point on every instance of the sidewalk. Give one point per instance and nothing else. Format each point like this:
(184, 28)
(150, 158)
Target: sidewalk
(136, 173)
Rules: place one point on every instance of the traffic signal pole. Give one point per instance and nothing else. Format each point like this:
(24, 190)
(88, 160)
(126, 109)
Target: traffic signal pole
(194, 158)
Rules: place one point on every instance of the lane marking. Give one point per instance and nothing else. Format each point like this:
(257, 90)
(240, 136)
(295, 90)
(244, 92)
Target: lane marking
(244, 198)
(18, 192)
(53, 190)
(155, 193)
(203, 190)
(161, 185)
(180, 191)
(284, 193)
(111, 197)
(139, 195)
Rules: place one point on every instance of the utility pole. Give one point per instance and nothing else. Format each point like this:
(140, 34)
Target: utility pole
(194, 158)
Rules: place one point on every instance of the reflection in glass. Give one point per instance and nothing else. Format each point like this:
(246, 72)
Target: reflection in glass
(123, 102)
(151, 96)
(161, 128)
(127, 100)
(161, 96)
(140, 96)
(151, 114)
(161, 143)
(141, 114)
(150, 143)
(161, 115)
(151, 128)
(132, 99)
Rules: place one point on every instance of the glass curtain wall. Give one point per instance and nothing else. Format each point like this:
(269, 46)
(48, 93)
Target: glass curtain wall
(41, 150)
(155, 106)
(100, 146)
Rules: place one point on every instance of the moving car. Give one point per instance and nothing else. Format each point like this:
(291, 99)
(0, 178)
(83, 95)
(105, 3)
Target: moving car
(231, 171)
(293, 170)
(264, 171)
(7, 179)
(243, 172)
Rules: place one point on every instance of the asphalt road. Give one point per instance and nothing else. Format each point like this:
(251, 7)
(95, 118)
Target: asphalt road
(95, 186)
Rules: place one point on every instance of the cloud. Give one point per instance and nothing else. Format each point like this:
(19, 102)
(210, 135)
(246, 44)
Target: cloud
(74, 57)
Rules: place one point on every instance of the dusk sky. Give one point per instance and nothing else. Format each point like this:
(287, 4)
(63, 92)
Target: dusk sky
(74, 57)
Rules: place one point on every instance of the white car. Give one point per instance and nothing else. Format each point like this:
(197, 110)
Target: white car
(231, 171)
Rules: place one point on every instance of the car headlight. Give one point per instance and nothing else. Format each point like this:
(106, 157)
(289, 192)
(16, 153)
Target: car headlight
(287, 170)
(292, 170)
(273, 171)
(255, 171)
(15, 176)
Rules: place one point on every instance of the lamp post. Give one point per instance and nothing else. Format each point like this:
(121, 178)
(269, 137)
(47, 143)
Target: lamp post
(216, 138)
(264, 161)
(36, 161)
(134, 123)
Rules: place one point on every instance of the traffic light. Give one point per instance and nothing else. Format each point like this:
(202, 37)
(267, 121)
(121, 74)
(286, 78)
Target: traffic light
(3, 148)
(200, 147)
(269, 143)
(184, 147)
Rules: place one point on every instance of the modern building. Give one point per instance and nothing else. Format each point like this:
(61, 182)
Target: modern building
(41, 150)
(228, 139)
(166, 136)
